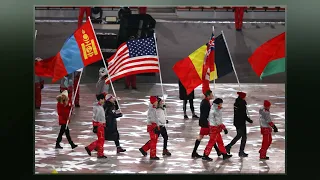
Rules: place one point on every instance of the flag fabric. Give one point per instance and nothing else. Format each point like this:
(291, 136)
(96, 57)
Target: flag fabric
(79, 50)
(269, 58)
(133, 57)
(44, 68)
(223, 62)
(208, 65)
(190, 69)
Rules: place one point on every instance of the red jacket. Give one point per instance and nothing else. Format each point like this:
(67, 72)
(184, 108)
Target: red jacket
(63, 112)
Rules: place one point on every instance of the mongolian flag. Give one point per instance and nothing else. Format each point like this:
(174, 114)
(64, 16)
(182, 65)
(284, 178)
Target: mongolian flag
(269, 58)
(79, 50)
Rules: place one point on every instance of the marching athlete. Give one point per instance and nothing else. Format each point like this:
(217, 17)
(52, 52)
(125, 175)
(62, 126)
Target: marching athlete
(111, 130)
(265, 125)
(153, 129)
(205, 107)
(216, 127)
(160, 113)
(63, 108)
(239, 121)
(98, 127)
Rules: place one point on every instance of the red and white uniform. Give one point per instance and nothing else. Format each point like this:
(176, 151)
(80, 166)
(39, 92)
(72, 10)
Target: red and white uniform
(216, 126)
(39, 82)
(99, 121)
(152, 123)
(266, 128)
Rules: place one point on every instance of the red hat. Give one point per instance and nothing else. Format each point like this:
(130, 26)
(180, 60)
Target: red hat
(266, 103)
(153, 99)
(242, 94)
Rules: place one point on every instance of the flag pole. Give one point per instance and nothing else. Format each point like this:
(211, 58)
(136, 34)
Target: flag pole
(234, 69)
(35, 34)
(156, 44)
(214, 80)
(74, 98)
(105, 65)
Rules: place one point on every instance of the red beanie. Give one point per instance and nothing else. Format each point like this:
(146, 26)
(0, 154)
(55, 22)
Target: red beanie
(242, 94)
(266, 103)
(153, 99)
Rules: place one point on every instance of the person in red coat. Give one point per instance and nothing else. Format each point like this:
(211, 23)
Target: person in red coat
(266, 126)
(63, 109)
(131, 80)
(83, 10)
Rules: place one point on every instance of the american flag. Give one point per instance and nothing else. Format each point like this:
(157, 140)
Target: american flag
(134, 57)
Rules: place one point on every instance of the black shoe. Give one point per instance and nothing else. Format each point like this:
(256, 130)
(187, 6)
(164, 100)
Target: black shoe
(243, 154)
(120, 150)
(58, 146)
(195, 117)
(186, 117)
(264, 158)
(77, 105)
(226, 156)
(166, 152)
(37, 107)
(206, 158)
(88, 151)
(196, 155)
(102, 157)
(143, 152)
(219, 153)
(73, 145)
(154, 158)
(228, 148)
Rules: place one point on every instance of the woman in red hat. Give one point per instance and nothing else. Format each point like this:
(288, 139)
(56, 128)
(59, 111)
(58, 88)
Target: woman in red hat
(153, 129)
(266, 126)
(239, 121)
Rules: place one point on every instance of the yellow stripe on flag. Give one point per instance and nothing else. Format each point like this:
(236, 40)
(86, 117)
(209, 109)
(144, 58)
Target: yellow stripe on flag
(197, 59)
(213, 74)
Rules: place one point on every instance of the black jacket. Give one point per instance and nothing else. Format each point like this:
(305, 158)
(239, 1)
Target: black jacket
(111, 131)
(204, 113)
(183, 93)
(240, 113)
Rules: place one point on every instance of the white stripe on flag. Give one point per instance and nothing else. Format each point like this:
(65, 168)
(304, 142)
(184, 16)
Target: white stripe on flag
(133, 70)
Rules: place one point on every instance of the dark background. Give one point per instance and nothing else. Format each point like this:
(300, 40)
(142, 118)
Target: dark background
(175, 42)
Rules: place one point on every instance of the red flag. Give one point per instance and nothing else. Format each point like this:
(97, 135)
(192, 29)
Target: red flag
(208, 65)
(79, 50)
(44, 68)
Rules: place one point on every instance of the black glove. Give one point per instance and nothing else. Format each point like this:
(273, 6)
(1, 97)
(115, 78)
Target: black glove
(225, 131)
(41, 86)
(120, 115)
(95, 129)
(250, 121)
(167, 121)
(156, 130)
(275, 129)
